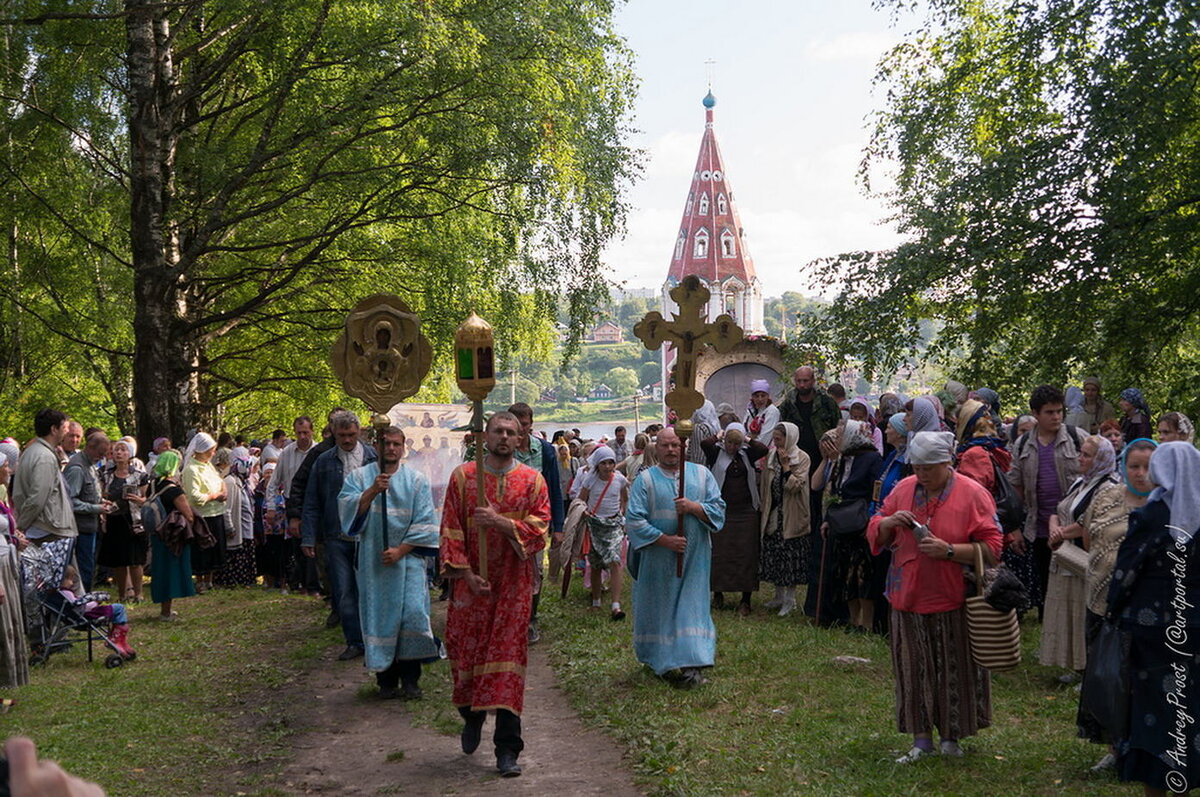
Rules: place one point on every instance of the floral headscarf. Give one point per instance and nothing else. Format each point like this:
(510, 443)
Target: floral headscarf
(1134, 397)
(856, 436)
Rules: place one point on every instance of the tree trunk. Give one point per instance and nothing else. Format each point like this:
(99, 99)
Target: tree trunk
(163, 377)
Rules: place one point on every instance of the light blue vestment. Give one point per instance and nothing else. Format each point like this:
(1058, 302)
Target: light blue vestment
(393, 600)
(672, 626)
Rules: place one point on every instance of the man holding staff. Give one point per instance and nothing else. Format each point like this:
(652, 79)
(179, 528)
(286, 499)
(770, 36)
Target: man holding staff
(672, 625)
(389, 510)
(488, 618)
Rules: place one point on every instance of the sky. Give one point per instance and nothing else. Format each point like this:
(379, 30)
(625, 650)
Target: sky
(793, 82)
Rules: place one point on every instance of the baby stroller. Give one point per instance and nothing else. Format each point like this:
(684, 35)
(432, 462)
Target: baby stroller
(54, 622)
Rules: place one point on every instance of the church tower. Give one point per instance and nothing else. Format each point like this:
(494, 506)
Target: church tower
(711, 244)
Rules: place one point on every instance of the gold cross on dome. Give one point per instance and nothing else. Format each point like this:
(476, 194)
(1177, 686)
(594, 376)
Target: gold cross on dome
(687, 331)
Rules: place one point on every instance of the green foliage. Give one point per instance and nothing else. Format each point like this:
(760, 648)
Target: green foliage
(1047, 178)
(462, 155)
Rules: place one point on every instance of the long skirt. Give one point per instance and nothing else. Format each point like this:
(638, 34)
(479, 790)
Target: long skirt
(209, 560)
(14, 653)
(853, 567)
(1086, 725)
(172, 574)
(1063, 642)
(784, 563)
(120, 547)
(238, 570)
(735, 552)
(937, 683)
(1164, 709)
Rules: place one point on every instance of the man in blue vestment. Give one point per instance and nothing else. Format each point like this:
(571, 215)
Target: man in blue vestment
(672, 626)
(393, 599)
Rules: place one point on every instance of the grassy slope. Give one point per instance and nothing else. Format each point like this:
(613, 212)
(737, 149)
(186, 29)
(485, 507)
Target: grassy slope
(202, 711)
(779, 716)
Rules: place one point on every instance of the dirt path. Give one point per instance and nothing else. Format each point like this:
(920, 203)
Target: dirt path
(352, 737)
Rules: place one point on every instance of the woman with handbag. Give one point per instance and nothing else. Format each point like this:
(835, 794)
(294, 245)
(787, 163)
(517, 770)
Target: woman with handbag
(1063, 644)
(1105, 523)
(172, 576)
(124, 546)
(851, 475)
(1154, 597)
(931, 522)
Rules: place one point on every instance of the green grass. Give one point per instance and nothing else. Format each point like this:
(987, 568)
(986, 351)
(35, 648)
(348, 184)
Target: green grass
(203, 710)
(780, 716)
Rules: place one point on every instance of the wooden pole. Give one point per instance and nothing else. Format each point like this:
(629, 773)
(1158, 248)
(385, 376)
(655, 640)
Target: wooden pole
(480, 489)
(684, 430)
(381, 422)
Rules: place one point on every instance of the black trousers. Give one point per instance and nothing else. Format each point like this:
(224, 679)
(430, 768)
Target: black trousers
(1041, 564)
(407, 671)
(507, 736)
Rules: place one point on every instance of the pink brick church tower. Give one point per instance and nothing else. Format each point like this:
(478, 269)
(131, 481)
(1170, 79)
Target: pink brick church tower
(711, 244)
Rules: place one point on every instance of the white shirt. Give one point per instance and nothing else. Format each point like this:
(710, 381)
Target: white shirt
(289, 462)
(611, 504)
(351, 460)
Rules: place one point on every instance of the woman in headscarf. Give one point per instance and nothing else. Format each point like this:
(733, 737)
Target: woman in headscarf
(1063, 639)
(761, 415)
(953, 396)
(641, 458)
(124, 546)
(850, 471)
(924, 415)
(1020, 426)
(1155, 593)
(1073, 410)
(1175, 427)
(980, 449)
(1105, 523)
(785, 517)
(206, 492)
(862, 411)
(1095, 409)
(172, 577)
(1135, 422)
(735, 550)
(705, 424)
(890, 405)
(606, 495)
(931, 522)
(990, 398)
(238, 570)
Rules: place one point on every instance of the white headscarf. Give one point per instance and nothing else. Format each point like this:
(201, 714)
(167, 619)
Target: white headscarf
(599, 455)
(791, 449)
(724, 458)
(201, 441)
(856, 436)
(931, 448)
(1175, 468)
(130, 444)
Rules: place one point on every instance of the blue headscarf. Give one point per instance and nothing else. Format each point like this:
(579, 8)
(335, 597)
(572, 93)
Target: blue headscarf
(1134, 397)
(1125, 470)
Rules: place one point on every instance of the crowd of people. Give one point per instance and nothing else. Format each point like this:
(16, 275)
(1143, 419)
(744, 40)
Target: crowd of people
(880, 508)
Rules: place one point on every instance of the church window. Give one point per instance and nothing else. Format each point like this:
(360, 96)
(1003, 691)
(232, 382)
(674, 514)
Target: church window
(728, 247)
(690, 202)
(680, 243)
(717, 174)
(704, 204)
(701, 243)
(722, 205)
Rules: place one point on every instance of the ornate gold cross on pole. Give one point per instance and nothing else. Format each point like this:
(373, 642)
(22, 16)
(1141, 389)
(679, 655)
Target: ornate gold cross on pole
(687, 332)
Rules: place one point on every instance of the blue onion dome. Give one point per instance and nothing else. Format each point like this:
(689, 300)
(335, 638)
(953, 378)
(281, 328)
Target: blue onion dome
(709, 100)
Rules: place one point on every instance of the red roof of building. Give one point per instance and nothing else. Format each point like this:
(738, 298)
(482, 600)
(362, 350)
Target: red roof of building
(711, 241)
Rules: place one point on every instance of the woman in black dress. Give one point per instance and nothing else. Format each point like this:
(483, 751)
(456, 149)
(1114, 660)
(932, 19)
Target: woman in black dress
(735, 549)
(1154, 594)
(124, 546)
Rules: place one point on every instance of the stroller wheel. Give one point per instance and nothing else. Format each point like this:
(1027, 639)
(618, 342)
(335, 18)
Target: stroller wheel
(113, 661)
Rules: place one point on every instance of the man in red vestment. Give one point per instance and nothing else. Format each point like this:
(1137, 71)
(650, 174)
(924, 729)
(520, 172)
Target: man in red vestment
(487, 621)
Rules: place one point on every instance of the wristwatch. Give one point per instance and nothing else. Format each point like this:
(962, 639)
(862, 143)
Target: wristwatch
(949, 550)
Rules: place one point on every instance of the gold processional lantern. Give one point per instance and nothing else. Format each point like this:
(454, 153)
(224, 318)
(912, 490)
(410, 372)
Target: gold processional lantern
(475, 371)
(474, 358)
